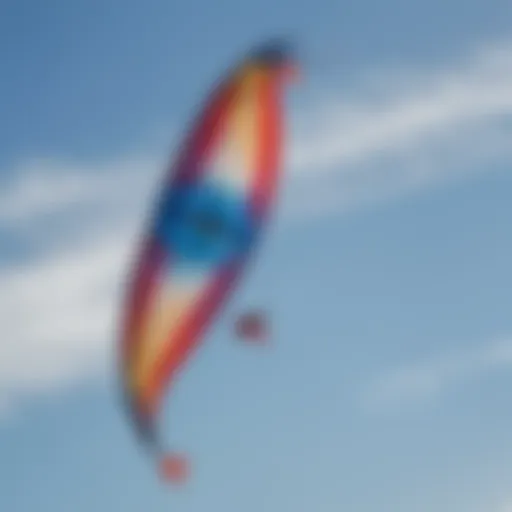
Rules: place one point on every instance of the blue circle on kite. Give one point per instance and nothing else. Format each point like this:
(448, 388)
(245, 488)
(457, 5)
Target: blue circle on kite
(205, 224)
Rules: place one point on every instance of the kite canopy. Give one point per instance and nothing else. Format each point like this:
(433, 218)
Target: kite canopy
(212, 207)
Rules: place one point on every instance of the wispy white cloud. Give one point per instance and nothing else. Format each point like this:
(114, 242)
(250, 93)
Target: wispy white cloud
(58, 310)
(426, 127)
(439, 101)
(41, 188)
(426, 379)
(59, 317)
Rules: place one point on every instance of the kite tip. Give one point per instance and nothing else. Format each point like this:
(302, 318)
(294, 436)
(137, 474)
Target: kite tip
(174, 468)
(278, 52)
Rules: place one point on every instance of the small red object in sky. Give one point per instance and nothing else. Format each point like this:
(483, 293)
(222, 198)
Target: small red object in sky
(174, 468)
(252, 327)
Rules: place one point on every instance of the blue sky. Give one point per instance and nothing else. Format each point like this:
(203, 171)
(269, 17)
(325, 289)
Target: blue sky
(387, 272)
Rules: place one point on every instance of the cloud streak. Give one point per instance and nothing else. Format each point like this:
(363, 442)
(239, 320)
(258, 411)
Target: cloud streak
(59, 316)
(448, 124)
(427, 379)
(349, 153)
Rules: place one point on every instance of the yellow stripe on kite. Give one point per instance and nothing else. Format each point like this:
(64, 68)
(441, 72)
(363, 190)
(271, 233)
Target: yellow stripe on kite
(235, 159)
(170, 308)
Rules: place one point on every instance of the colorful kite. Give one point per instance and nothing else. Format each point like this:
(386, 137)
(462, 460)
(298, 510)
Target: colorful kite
(214, 203)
